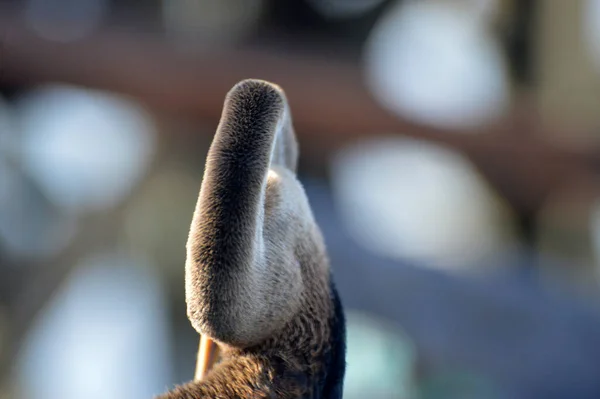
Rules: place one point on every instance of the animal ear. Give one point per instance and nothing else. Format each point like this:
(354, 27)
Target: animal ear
(231, 269)
(285, 151)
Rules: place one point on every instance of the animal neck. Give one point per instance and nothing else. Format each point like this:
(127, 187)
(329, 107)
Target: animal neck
(287, 365)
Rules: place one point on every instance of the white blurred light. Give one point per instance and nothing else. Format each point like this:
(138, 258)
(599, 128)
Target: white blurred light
(409, 199)
(344, 8)
(591, 22)
(211, 21)
(86, 149)
(435, 63)
(29, 227)
(65, 20)
(103, 336)
(380, 364)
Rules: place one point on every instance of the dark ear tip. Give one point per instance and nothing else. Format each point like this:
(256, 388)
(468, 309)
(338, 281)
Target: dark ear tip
(252, 87)
(256, 84)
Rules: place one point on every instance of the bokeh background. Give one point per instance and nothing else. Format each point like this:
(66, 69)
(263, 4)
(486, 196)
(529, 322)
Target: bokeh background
(449, 150)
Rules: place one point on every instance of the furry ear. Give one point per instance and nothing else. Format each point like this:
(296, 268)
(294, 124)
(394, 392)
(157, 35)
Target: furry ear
(285, 152)
(242, 277)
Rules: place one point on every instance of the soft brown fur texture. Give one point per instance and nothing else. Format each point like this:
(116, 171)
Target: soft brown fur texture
(257, 273)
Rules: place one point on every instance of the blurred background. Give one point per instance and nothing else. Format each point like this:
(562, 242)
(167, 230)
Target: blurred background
(449, 149)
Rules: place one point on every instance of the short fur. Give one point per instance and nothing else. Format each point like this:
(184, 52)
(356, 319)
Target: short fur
(257, 273)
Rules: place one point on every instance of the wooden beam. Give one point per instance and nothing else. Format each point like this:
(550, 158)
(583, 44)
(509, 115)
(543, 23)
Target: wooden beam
(330, 102)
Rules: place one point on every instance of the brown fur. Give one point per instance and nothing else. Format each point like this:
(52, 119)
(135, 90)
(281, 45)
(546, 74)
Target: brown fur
(257, 274)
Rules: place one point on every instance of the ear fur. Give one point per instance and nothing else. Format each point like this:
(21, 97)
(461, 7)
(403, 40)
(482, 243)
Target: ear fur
(243, 277)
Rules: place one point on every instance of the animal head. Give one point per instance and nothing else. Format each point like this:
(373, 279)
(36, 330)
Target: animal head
(257, 274)
(252, 225)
